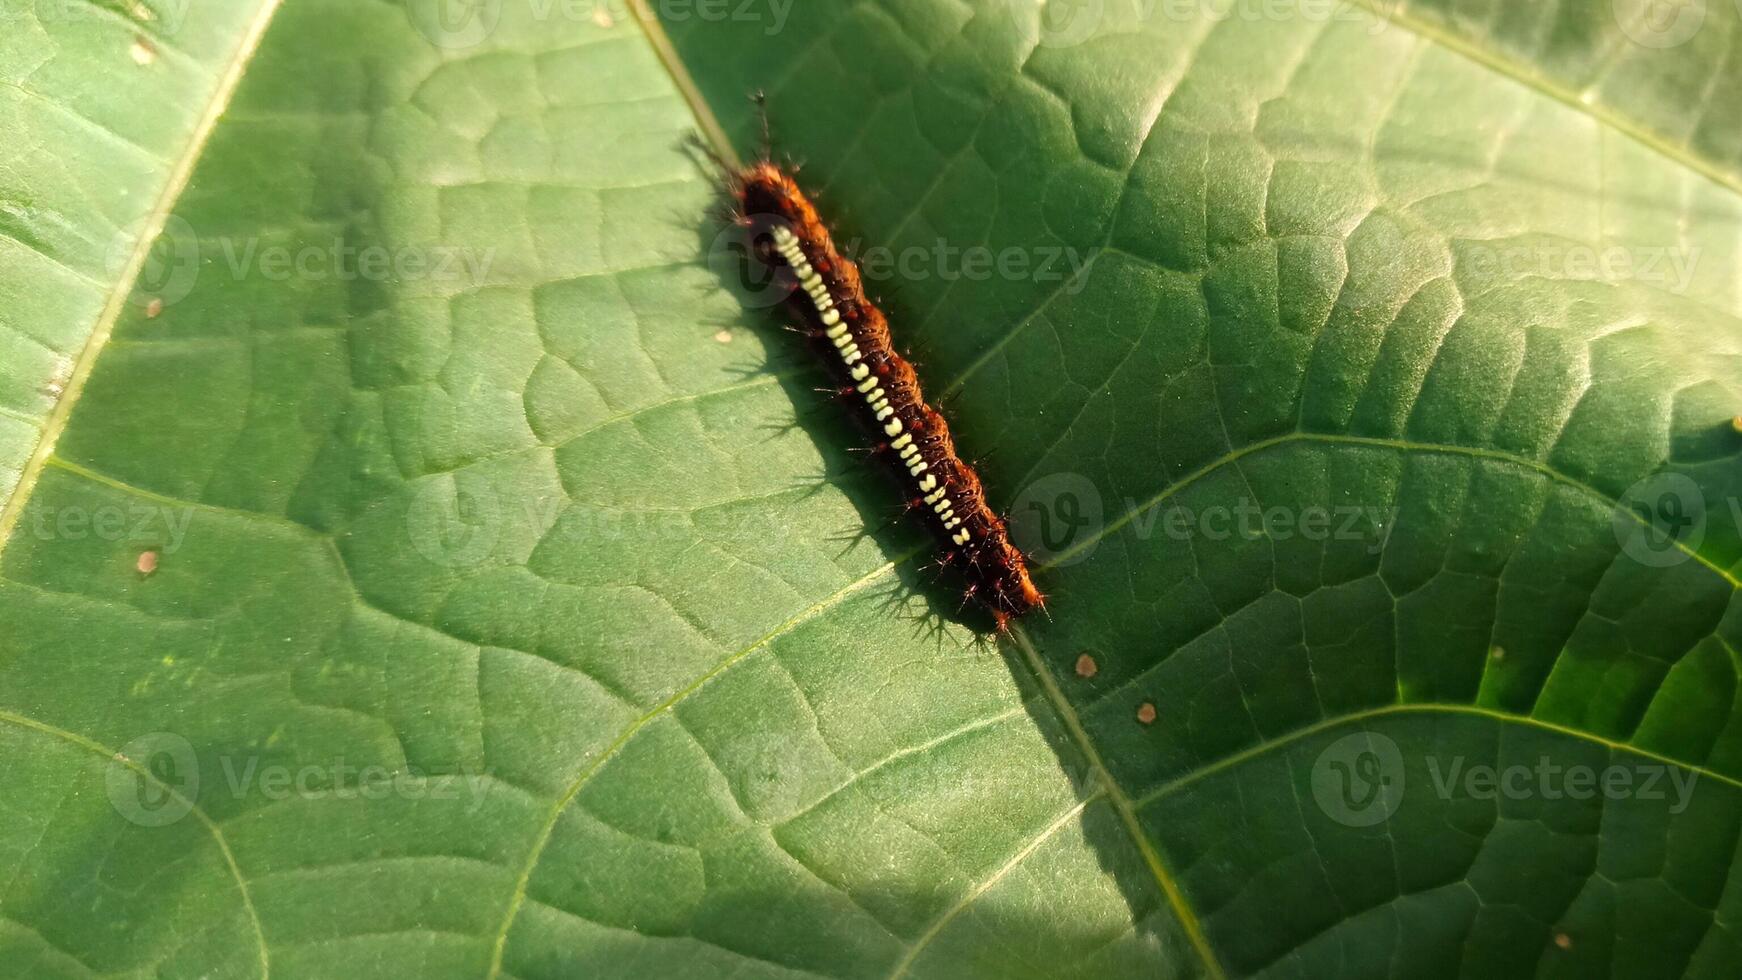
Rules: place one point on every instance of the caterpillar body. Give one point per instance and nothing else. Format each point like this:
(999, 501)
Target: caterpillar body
(851, 336)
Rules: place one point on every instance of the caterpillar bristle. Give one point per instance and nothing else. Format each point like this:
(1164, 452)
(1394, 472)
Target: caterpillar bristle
(852, 336)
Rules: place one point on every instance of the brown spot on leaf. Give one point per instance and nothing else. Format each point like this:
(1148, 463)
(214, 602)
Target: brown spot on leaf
(147, 562)
(1086, 666)
(724, 336)
(143, 51)
(1563, 940)
(154, 308)
(1146, 713)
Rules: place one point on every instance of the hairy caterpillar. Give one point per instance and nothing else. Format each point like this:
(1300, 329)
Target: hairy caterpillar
(851, 336)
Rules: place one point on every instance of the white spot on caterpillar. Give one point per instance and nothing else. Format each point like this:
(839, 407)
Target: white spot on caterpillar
(961, 537)
(860, 371)
(892, 427)
(832, 316)
(868, 383)
(928, 484)
(936, 496)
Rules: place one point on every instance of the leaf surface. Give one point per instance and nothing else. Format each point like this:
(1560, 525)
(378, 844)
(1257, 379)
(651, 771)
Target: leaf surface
(507, 611)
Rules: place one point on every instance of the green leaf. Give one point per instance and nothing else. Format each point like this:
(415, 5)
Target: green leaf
(107, 107)
(432, 570)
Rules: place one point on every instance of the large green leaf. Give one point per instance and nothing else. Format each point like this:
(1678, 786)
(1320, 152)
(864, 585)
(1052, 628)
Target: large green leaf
(440, 574)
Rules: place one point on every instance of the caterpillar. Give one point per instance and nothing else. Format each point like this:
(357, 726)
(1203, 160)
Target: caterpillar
(850, 334)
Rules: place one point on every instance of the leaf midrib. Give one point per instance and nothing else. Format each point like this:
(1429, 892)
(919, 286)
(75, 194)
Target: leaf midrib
(175, 183)
(1604, 116)
(1510, 68)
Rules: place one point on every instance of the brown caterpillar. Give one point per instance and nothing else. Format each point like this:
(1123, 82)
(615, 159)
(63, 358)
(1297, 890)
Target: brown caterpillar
(851, 336)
